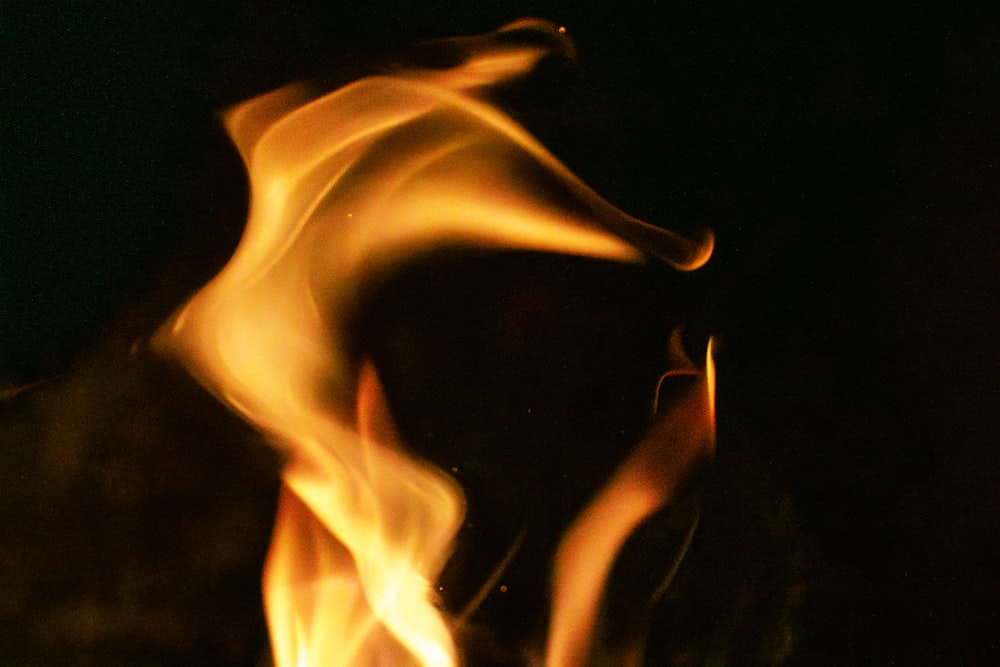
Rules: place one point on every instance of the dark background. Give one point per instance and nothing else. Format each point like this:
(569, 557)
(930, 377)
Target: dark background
(847, 157)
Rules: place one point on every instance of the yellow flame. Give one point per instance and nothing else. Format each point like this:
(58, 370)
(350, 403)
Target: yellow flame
(343, 187)
(710, 377)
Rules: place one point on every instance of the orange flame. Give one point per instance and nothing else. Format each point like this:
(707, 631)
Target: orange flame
(644, 482)
(344, 187)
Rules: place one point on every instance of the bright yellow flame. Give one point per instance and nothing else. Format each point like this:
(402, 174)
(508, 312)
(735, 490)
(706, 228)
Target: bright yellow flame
(344, 187)
(710, 378)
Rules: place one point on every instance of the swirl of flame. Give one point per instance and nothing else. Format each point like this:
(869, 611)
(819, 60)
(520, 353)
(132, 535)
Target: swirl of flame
(342, 187)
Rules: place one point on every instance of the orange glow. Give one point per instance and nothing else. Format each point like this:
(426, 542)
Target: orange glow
(344, 187)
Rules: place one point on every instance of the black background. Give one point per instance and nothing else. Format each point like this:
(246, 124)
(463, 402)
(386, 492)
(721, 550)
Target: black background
(847, 157)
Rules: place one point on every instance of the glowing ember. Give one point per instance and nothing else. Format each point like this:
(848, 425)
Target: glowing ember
(344, 187)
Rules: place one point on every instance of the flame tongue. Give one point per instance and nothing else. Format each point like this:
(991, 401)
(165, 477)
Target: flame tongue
(364, 596)
(644, 482)
(343, 187)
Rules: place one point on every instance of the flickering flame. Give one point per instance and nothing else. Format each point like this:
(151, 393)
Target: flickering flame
(344, 187)
(644, 482)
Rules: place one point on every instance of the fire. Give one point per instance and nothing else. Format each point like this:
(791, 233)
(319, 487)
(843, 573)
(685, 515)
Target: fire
(643, 483)
(344, 187)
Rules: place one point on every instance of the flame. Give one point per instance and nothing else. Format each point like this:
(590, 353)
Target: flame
(644, 482)
(344, 187)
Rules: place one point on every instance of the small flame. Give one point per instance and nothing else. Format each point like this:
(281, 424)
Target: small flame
(345, 187)
(645, 481)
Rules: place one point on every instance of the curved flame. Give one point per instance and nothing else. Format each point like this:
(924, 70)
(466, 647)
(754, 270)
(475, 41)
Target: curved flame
(343, 187)
(683, 434)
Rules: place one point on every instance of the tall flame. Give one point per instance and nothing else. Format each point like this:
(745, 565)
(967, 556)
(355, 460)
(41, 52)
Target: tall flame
(344, 187)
